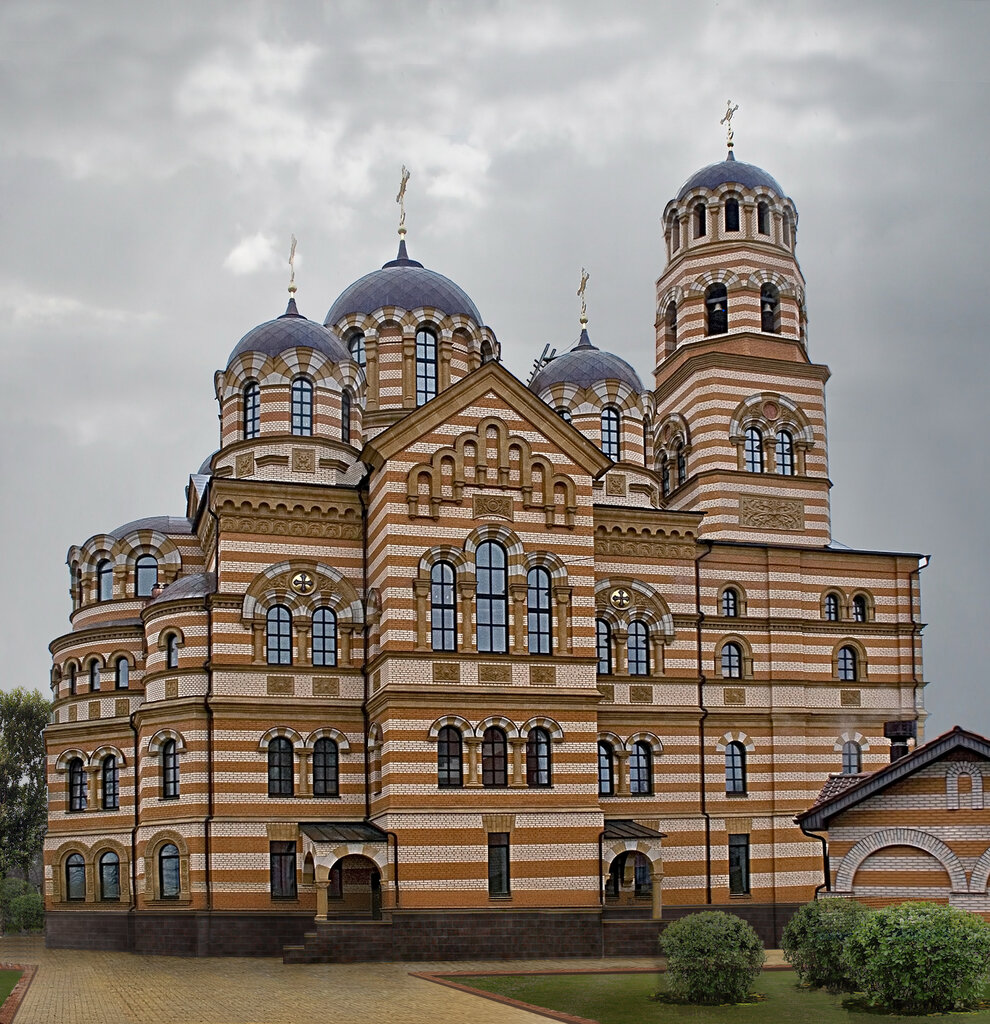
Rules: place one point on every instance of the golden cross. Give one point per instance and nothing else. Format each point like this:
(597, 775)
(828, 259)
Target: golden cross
(401, 200)
(292, 264)
(727, 121)
(584, 284)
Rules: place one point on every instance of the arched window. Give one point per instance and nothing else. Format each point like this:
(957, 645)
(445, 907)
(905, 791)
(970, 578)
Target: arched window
(104, 580)
(638, 648)
(675, 232)
(603, 638)
(168, 871)
(121, 673)
(111, 784)
(170, 770)
(730, 602)
(670, 327)
(493, 757)
(72, 679)
(640, 769)
(449, 757)
(278, 635)
(610, 432)
(324, 637)
(280, 766)
(786, 224)
(732, 215)
(700, 220)
(717, 307)
(831, 608)
(345, 416)
(443, 607)
(665, 475)
(302, 406)
(538, 610)
(647, 439)
(784, 452)
(252, 410)
(325, 767)
(538, 758)
(859, 608)
(754, 450)
(735, 767)
(606, 769)
(681, 464)
(852, 758)
(564, 413)
(492, 605)
(94, 675)
(731, 661)
(848, 664)
(172, 651)
(77, 785)
(763, 218)
(357, 349)
(109, 876)
(145, 575)
(75, 877)
(770, 309)
(426, 365)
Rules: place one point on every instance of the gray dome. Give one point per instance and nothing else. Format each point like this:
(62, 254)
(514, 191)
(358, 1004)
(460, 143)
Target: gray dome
(163, 524)
(585, 366)
(730, 170)
(291, 330)
(404, 283)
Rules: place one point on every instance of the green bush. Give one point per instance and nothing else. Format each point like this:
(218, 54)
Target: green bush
(815, 938)
(712, 957)
(27, 912)
(10, 889)
(919, 958)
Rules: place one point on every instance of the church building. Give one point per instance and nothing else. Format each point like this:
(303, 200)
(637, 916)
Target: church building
(440, 664)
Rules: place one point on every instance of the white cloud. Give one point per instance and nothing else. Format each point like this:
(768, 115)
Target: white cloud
(253, 253)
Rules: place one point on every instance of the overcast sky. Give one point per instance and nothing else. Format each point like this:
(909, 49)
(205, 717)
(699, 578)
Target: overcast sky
(156, 158)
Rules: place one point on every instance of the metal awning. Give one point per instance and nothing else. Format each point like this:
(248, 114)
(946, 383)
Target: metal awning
(626, 828)
(343, 832)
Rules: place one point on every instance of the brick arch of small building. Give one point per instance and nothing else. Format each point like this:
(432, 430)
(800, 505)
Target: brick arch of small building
(649, 738)
(652, 853)
(340, 596)
(160, 737)
(329, 733)
(107, 750)
(979, 879)
(323, 862)
(900, 837)
(461, 724)
(499, 722)
(63, 759)
(790, 417)
(851, 737)
(283, 731)
(785, 285)
(953, 771)
(550, 561)
(735, 737)
(552, 727)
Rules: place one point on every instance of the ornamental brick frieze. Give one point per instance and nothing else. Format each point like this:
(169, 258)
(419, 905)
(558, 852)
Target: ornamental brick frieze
(765, 513)
(278, 526)
(643, 545)
(497, 506)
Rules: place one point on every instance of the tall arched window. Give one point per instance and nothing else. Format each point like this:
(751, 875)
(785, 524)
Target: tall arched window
(280, 782)
(326, 765)
(75, 877)
(122, 673)
(859, 608)
(831, 608)
(638, 647)
(717, 309)
(784, 453)
(345, 416)
(665, 475)
(675, 232)
(324, 637)
(538, 610)
(104, 580)
(606, 769)
(731, 661)
(700, 220)
(252, 410)
(735, 767)
(538, 758)
(610, 432)
(111, 784)
(109, 876)
(357, 349)
(763, 218)
(77, 785)
(145, 575)
(168, 871)
(848, 664)
(73, 679)
(493, 757)
(730, 602)
(172, 651)
(492, 605)
(278, 635)
(852, 758)
(732, 215)
(681, 464)
(426, 365)
(94, 675)
(449, 757)
(603, 639)
(770, 309)
(302, 406)
(786, 225)
(640, 769)
(647, 439)
(670, 327)
(170, 770)
(443, 607)
(754, 450)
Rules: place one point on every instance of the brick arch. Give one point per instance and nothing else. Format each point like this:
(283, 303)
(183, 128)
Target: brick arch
(152, 883)
(150, 542)
(330, 733)
(616, 741)
(465, 727)
(617, 393)
(289, 733)
(652, 852)
(247, 367)
(443, 553)
(900, 837)
(784, 285)
(542, 722)
(323, 862)
(63, 759)
(647, 606)
(550, 561)
(104, 751)
(953, 771)
(735, 737)
(509, 539)
(156, 741)
(727, 277)
(503, 723)
(654, 742)
(333, 590)
(851, 737)
(980, 876)
(791, 417)
(107, 845)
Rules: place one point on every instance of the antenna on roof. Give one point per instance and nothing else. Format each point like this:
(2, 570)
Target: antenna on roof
(546, 356)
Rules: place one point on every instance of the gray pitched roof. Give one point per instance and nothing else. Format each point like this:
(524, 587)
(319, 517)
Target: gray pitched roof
(198, 584)
(730, 170)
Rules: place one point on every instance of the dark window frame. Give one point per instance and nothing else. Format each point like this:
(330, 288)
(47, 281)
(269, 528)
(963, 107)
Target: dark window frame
(78, 796)
(716, 320)
(75, 877)
(700, 220)
(282, 869)
(731, 660)
(450, 758)
(784, 453)
(278, 635)
(281, 767)
(443, 606)
(121, 674)
(426, 365)
(323, 637)
(251, 425)
(170, 770)
(142, 586)
(499, 877)
(641, 769)
(539, 763)
(731, 215)
(107, 886)
(852, 758)
(494, 758)
(94, 676)
(753, 450)
(739, 865)
(730, 603)
(301, 424)
(847, 664)
(735, 767)
(606, 768)
(326, 767)
(169, 871)
(769, 309)
(681, 459)
(110, 783)
(860, 609)
(358, 350)
(763, 218)
(104, 580)
(611, 427)
(345, 416)
(492, 598)
(172, 651)
(831, 608)
(638, 648)
(603, 646)
(539, 609)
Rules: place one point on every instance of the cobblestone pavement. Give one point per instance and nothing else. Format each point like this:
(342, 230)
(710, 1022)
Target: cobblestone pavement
(77, 987)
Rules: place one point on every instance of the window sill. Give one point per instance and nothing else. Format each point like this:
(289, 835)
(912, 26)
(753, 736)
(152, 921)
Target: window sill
(740, 895)
(285, 899)
(501, 897)
(736, 796)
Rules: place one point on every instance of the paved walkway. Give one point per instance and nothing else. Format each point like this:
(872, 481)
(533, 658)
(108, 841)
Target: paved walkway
(76, 987)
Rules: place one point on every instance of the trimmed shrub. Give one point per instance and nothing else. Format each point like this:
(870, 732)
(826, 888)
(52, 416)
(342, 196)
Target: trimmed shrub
(920, 958)
(27, 912)
(10, 889)
(712, 957)
(815, 938)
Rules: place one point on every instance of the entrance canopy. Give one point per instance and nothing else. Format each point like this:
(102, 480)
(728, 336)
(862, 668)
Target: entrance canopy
(338, 832)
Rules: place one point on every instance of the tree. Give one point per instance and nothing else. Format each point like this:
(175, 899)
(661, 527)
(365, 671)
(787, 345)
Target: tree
(23, 803)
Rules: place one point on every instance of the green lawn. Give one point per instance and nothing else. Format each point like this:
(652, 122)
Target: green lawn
(624, 999)
(8, 979)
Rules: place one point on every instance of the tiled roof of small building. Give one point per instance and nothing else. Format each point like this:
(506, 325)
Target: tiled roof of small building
(730, 170)
(585, 365)
(291, 330)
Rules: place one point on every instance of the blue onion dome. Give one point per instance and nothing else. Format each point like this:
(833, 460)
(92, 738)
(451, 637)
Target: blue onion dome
(585, 366)
(404, 283)
(291, 330)
(730, 171)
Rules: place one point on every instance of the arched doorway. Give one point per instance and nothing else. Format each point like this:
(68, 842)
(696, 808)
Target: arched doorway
(355, 888)
(630, 880)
